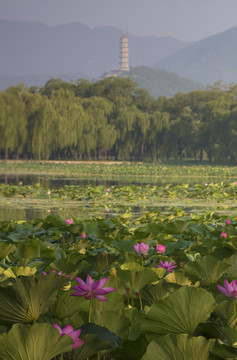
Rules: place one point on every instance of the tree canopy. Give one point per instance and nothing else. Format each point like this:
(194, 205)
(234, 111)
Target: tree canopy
(113, 118)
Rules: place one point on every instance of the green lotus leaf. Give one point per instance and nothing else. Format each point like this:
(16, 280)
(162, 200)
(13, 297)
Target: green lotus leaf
(36, 342)
(132, 266)
(29, 249)
(207, 268)
(160, 272)
(153, 292)
(224, 310)
(102, 332)
(136, 279)
(135, 317)
(232, 270)
(67, 305)
(177, 245)
(178, 347)
(223, 351)
(66, 266)
(178, 278)
(175, 226)
(28, 298)
(114, 321)
(181, 312)
(125, 245)
(131, 350)
(19, 271)
(93, 345)
(115, 301)
(232, 335)
(211, 330)
(5, 249)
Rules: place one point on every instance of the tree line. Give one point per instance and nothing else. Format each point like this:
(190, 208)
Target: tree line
(115, 119)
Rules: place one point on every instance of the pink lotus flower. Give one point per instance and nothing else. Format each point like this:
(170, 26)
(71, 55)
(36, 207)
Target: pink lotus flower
(92, 288)
(48, 211)
(223, 235)
(227, 222)
(48, 192)
(83, 235)
(141, 249)
(69, 221)
(160, 249)
(68, 330)
(230, 289)
(167, 266)
(53, 271)
(108, 190)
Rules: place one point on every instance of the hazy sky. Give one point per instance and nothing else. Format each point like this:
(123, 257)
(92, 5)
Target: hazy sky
(184, 19)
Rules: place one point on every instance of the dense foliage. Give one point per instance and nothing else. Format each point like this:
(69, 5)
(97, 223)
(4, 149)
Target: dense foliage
(152, 314)
(115, 119)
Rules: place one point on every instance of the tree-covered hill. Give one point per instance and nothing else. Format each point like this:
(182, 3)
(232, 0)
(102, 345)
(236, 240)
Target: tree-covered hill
(162, 82)
(156, 82)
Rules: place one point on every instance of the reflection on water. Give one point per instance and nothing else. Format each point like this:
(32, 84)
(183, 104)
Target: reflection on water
(19, 210)
(54, 182)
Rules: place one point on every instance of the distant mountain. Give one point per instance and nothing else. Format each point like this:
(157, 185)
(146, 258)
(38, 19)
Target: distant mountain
(32, 48)
(161, 82)
(207, 61)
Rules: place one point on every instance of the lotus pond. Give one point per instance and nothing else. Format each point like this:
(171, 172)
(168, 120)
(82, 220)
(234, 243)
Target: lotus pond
(136, 271)
(32, 190)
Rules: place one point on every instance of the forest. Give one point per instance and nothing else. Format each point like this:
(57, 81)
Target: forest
(115, 119)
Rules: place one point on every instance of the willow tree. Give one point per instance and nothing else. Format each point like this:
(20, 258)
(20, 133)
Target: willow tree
(99, 110)
(13, 122)
(42, 124)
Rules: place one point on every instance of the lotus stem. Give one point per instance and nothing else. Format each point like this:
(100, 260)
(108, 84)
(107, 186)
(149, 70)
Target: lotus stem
(98, 356)
(234, 306)
(140, 299)
(90, 310)
(116, 285)
(61, 358)
(142, 262)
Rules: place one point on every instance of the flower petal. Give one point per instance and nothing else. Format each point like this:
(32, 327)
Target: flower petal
(222, 290)
(80, 281)
(58, 327)
(67, 329)
(99, 284)
(108, 289)
(101, 298)
(89, 281)
(78, 293)
(78, 343)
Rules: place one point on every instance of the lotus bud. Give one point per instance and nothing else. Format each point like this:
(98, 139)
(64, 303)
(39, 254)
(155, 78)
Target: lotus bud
(113, 272)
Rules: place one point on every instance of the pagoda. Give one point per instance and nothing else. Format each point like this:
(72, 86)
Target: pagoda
(123, 60)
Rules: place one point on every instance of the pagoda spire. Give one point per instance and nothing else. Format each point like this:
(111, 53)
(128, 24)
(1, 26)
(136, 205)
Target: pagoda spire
(124, 60)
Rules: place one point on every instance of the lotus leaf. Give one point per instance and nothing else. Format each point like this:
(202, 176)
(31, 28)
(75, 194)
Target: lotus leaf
(28, 298)
(36, 342)
(131, 350)
(178, 347)
(5, 249)
(207, 268)
(93, 345)
(180, 312)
